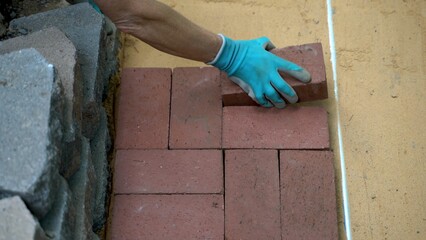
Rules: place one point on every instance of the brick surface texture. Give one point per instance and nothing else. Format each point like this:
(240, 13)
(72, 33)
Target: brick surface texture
(196, 111)
(218, 171)
(290, 128)
(158, 217)
(308, 195)
(252, 197)
(143, 110)
(309, 56)
(168, 171)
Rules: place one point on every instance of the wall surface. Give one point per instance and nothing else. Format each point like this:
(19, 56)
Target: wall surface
(381, 63)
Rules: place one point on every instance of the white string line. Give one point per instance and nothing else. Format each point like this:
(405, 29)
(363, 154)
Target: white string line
(345, 195)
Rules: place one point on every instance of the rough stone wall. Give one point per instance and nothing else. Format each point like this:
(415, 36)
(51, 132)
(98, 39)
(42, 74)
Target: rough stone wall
(53, 126)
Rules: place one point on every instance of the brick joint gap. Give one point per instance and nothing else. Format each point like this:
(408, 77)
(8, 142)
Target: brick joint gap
(224, 202)
(282, 149)
(186, 149)
(279, 189)
(167, 194)
(221, 129)
(170, 108)
(307, 150)
(148, 149)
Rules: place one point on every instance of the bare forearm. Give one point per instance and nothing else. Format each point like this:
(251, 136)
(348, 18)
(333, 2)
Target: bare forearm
(162, 27)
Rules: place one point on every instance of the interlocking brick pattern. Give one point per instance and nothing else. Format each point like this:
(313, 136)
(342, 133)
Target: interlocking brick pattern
(240, 172)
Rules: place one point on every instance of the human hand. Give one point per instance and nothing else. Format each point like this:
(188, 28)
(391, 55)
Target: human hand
(250, 65)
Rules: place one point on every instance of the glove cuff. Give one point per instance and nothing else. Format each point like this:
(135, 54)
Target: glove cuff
(230, 56)
(219, 53)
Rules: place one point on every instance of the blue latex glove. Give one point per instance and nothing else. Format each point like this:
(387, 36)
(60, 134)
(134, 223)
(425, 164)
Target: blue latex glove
(249, 64)
(95, 6)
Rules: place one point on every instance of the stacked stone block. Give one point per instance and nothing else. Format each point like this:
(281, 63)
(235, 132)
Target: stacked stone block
(30, 132)
(60, 51)
(15, 215)
(53, 127)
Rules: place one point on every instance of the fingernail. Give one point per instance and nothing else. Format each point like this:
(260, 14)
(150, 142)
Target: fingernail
(302, 75)
(292, 99)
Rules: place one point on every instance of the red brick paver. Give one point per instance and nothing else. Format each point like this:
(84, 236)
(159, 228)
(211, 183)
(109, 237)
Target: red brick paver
(308, 197)
(143, 108)
(196, 111)
(168, 171)
(310, 56)
(290, 128)
(252, 197)
(161, 217)
(169, 182)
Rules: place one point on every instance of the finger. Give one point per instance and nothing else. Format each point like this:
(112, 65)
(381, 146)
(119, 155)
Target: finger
(293, 70)
(265, 43)
(284, 88)
(261, 100)
(243, 85)
(272, 95)
(258, 98)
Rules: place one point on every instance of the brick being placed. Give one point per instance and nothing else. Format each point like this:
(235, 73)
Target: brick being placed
(308, 56)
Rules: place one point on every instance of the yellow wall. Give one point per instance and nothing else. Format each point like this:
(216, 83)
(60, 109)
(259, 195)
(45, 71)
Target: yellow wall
(381, 64)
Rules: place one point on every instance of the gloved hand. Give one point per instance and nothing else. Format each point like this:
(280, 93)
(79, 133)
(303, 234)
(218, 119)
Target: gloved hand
(249, 64)
(95, 6)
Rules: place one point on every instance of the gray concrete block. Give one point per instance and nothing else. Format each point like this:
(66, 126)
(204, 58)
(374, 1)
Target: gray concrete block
(70, 157)
(30, 7)
(100, 146)
(17, 222)
(111, 50)
(82, 185)
(59, 222)
(85, 28)
(60, 51)
(30, 129)
(93, 236)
